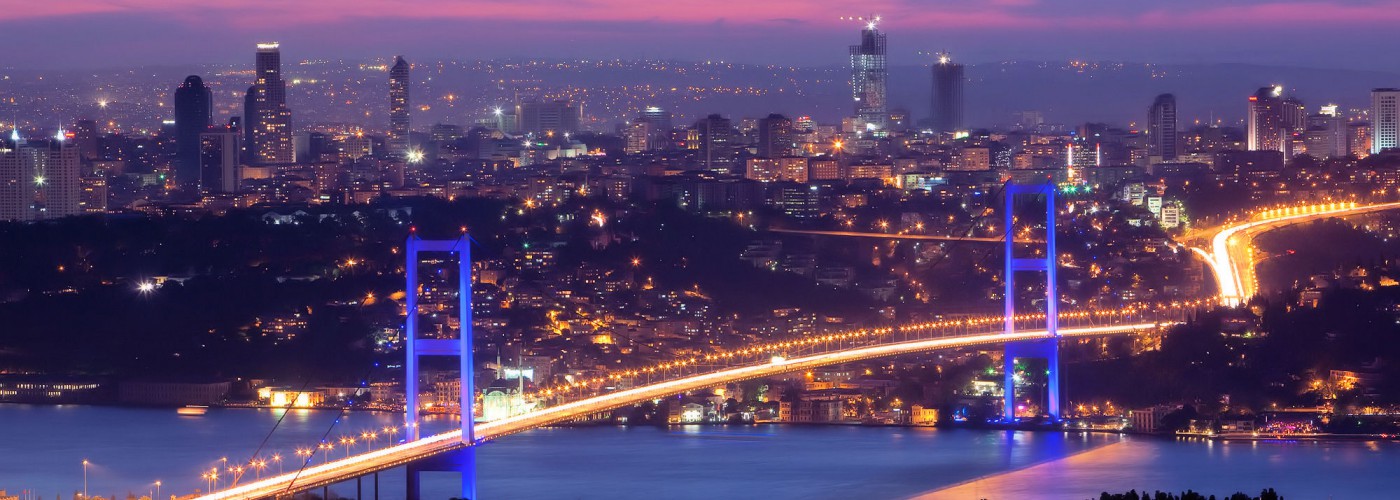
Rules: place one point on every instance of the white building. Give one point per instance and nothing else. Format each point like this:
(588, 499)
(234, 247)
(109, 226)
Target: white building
(39, 183)
(1385, 119)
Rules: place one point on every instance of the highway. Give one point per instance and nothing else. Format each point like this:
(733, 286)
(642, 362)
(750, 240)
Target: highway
(386, 458)
(1233, 263)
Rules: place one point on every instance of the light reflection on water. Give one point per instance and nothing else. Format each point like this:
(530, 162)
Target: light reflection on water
(42, 447)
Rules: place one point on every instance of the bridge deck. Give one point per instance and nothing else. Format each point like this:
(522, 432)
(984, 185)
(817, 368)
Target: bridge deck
(395, 456)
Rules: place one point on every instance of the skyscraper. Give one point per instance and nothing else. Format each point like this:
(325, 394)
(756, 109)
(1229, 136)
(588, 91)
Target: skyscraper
(1385, 119)
(398, 108)
(1162, 122)
(218, 159)
(39, 181)
(716, 141)
(15, 179)
(1326, 136)
(1295, 115)
(660, 119)
(774, 136)
(638, 136)
(194, 110)
(269, 120)
(1266, 129)
(947, 108)
(868, 78)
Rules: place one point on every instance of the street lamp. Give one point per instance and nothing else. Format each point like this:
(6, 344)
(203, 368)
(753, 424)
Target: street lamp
(347, 442)
(278, 458)
(157, 491)
(85, 465)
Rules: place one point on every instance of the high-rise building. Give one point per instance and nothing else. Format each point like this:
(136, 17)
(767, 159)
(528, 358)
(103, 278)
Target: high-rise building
(218, 159)
(660, 119)
(1326, 136)
(1265, 121)
(775, 136)
(716, 140)
(265, 109)
(194, 111)
(398, 108)
(548, 117)
(638, 135)
(1385, 119)
(1161, 121)
(1359, 139)
(15, 181)
(85, 139)
(868, 78)
(947, 108)
(39, 181)
(1295, 115)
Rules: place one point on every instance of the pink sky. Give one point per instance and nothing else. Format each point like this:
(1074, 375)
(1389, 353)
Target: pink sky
(771, 29)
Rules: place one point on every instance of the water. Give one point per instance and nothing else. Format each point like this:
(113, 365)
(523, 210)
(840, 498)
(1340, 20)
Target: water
(42, 448)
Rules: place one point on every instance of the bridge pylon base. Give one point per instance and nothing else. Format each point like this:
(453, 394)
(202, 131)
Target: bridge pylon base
(1047, 349)
(462, 461)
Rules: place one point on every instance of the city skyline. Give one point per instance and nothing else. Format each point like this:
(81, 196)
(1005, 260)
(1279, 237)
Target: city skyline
(133, 32)
(240, 238)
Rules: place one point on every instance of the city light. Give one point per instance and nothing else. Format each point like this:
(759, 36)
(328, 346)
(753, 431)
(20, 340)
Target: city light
(823, 245)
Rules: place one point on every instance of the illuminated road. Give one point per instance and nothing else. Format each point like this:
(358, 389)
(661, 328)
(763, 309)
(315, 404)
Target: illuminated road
(395, 456)
(1231, 258)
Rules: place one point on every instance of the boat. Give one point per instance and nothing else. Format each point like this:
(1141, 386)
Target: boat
(192, 410)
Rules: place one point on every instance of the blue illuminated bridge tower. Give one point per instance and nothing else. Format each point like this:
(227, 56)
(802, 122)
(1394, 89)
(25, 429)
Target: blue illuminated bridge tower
(463, 460)
(1047, 348)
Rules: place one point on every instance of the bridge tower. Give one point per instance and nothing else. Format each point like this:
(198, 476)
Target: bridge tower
(464, 460)
(1047, 348)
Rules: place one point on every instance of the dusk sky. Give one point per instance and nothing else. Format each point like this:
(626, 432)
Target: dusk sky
(115, 33)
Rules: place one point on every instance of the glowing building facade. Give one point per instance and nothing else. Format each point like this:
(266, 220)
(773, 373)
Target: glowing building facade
(265, 109)
(1385, 119)
(869, 75)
